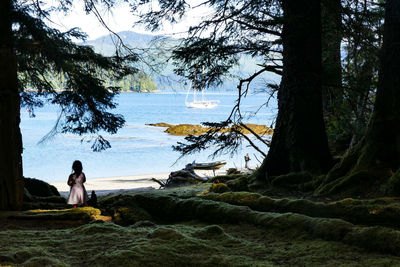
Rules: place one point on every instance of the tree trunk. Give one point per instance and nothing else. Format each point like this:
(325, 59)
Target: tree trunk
(299, 142)
(332, 92)
(381, 147)
(11, 180)
(369, 164)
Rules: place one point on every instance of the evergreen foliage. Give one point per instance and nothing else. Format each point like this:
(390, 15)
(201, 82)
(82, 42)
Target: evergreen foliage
(361, 41)
(236, 29)
(254, 28)
(359, 108)
(138, 82)
(44, 52)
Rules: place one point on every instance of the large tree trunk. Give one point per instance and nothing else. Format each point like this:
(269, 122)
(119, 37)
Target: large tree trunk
(299, 142)
(11, 180)
(381, 147)
(367, 166)
(332, 92)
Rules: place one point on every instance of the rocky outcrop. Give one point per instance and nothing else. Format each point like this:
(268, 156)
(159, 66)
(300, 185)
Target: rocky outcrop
(41, 195)
(194, 129)
(40, 188)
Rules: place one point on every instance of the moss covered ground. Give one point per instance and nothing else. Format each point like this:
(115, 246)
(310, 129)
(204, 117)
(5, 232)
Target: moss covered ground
(180, 244)
(180, 227)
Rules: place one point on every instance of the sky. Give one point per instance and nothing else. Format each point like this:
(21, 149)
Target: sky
(121, 19)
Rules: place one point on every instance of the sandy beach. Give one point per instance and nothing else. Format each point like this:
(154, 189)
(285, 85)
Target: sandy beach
(125, 183)
(113, 184)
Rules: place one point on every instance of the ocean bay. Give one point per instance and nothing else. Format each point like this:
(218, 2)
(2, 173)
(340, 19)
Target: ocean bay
(136, 148)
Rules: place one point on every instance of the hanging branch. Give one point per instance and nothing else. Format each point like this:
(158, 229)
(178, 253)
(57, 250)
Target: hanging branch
(250, 142)
(267, 143)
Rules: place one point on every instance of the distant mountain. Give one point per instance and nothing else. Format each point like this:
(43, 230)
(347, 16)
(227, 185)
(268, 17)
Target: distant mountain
(167, 80)
(106, 44)
(128, 37)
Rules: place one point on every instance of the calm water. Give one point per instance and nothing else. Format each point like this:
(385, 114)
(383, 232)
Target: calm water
(136, 148)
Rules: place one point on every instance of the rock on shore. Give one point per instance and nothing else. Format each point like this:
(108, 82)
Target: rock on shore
(195, 129)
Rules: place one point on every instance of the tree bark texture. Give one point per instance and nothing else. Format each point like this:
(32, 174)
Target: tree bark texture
(381, 146)
(11, 180)
(332, 92)
(299, 142)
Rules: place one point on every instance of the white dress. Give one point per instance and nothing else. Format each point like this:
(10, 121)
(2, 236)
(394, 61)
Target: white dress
(77, 193)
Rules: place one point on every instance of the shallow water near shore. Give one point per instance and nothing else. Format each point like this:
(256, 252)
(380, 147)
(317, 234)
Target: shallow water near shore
(136, 148)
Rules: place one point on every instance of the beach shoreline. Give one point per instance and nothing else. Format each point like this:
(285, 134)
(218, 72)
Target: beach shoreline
(105, 185)
(115, 184)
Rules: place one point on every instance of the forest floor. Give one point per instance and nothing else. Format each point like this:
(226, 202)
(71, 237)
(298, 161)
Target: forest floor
(183, 227)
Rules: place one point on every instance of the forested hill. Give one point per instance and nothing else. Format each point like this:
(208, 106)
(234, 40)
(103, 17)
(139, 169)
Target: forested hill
(106, 44)
(140, 82)
(146, 80)
(166, 79)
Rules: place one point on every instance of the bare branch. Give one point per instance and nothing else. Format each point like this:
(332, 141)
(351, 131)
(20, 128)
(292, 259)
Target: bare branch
(267, 143)
(250, 142)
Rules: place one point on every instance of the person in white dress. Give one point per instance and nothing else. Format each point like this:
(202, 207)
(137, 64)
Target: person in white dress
(77, 194)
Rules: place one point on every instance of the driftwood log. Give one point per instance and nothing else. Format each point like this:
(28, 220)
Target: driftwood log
(182, 177)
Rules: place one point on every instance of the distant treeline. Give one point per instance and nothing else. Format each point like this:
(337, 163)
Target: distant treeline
(138, 82)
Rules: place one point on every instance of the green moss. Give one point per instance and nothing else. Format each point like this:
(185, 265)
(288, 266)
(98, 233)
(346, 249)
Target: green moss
(172, 209)
(236, 198)
(209, 232)
(97, 227)
(6, 259)
(361, 183)
(43, 261)
(39, 194)
(313, 184)
(342, 168)
(226, 178)
(86, 210)
(213, 233)
(190, 243)
(382, 211)
(167, 234)
(375, 239)
(393, 185)
(143, 224)
(27, 196)
(121, 257)
(130, 215)
(292, 180)
(359, 174)
(334, 229)
(42, 205)
(40, 188)
(78, 217)
(124, 210)
(240, 183)
(24, 254)
(231, 171)
(73, 216)
(219, 188)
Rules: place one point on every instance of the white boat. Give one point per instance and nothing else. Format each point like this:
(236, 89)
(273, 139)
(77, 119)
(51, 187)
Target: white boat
(199, 103)
(202, 104)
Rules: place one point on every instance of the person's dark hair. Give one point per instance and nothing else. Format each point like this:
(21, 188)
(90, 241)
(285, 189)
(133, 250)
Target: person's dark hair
(77, 167)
